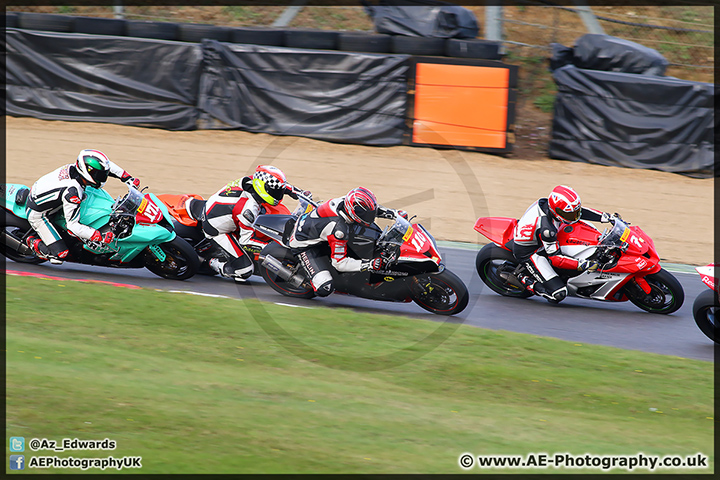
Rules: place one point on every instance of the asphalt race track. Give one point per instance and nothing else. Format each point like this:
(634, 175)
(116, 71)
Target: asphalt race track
(619, 325)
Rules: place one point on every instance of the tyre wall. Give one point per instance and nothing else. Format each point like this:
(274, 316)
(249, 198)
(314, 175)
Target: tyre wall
(337, 86)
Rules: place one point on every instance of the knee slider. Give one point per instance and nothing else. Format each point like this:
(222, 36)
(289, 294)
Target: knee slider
(560, 294)
(240, 267)
(325, 289)
(323, 284)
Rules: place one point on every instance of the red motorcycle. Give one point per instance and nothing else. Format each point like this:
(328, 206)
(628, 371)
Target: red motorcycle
(189, 229)
(706, 304)
(414, 268)
(629, 264)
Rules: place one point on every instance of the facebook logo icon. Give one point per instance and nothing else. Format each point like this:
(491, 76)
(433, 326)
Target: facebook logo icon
(17, 462)
(17, 444)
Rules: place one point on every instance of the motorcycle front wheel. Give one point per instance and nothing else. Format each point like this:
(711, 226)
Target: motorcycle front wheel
(442, 293)
(705, 309)
(666, 294)
(180, 263)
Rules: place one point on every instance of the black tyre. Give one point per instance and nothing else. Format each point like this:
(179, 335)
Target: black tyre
(364, 42)
(11, 19)
(157, 30)
(16, 229)
(196, 32)
(441, 293)
(418, 45)
(46, 21)
(100, 26)
(258, 36)
(491, 263)
(486, 49)
(666, 294)
(705, 309)
(312, 39)
(181, 262)
(277, 283)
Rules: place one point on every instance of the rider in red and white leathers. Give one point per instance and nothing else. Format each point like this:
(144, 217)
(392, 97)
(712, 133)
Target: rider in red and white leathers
(63, 189)
(535, 241)
(229, 216)
(330, 224)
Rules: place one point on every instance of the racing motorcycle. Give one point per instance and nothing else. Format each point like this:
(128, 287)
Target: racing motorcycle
(629, 266)
(143, 236)
(706, 304)
(191, 230)
(414, 269)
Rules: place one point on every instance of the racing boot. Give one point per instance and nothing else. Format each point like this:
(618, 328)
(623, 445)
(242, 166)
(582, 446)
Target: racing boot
(539, 289)
(39, 248)
(226, 270)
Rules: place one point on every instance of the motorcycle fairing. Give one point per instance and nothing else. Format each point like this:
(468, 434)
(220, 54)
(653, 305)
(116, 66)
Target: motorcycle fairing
(497, 229)
(95, 212)
(10, 194)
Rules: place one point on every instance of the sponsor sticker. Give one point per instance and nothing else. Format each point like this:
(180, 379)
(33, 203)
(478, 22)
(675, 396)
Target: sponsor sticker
(408, 234)
(625, 235)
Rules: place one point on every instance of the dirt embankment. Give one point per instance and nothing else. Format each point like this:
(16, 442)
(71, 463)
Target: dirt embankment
(447, 190)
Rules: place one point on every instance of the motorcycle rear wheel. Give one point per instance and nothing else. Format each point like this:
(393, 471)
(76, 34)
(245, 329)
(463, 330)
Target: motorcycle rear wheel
(666, 295)
(17, 228)
(442, 293)
(277, 283)
(491, 260)
(705, 309)
(181, 262)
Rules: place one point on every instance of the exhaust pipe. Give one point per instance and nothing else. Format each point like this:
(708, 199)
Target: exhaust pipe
(276, 266)
(511, 279)
(12, 243)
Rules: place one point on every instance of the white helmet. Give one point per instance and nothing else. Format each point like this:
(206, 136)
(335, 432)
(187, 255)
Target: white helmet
(93, 166)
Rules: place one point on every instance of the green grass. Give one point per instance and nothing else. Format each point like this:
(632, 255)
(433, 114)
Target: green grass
(196, 385)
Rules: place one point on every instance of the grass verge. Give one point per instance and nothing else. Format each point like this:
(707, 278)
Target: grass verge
(195, 385)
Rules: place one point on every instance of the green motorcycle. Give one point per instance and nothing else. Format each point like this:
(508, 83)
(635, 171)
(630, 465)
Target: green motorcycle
(143, 235)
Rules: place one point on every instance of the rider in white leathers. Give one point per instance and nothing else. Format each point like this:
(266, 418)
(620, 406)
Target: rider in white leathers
(535, 241)
(64, 189)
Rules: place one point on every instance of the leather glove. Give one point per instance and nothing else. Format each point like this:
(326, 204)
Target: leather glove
(291, 191)
(130, 180)
(588, 265)
(402, 213)
(375, 264)
(608, 218)
(98, 237)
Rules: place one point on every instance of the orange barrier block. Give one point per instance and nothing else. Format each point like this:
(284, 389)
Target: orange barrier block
(461, 105)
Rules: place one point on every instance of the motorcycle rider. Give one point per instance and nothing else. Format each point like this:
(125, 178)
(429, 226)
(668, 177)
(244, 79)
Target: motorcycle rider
(228, 218)
(330, 223)
(64, 189)
(535, 241)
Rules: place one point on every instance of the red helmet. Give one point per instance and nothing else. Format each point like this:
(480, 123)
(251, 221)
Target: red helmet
(564, 204)
(361, 206)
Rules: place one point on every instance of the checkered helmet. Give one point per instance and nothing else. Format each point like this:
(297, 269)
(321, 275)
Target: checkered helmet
(269, 183)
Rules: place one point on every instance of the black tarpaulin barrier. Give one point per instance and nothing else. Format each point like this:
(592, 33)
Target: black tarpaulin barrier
(327, 95)
(422, 18)
(635, 121)
(612, 54)
(96, 78)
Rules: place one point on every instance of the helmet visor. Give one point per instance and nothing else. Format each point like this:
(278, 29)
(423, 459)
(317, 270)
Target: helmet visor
(568, 217)
(97, 172)
(366, 217)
